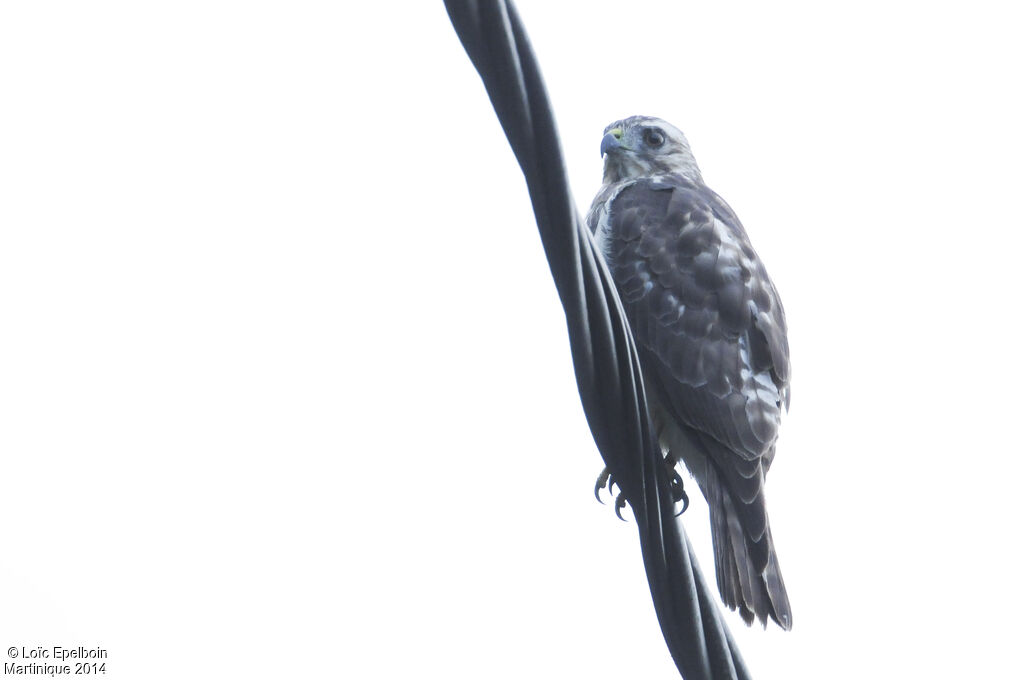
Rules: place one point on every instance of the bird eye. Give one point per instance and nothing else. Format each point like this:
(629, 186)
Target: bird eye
(653, 137)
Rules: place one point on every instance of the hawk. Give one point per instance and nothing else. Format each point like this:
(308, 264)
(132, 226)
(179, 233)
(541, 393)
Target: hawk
(711, 334)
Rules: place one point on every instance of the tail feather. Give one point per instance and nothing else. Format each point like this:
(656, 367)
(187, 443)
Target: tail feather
(746, 566)
(755, 591)
(754, 596)
(725, 559)
(777, 589)
(743, 482)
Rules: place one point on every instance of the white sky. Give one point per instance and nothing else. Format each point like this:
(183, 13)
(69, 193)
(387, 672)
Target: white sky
(285, 389)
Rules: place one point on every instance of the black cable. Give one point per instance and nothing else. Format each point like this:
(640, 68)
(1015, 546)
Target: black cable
(604, 356)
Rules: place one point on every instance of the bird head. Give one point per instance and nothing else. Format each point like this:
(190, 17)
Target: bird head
(642, 146)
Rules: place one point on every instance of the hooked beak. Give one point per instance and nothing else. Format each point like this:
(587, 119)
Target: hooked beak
(611, 141)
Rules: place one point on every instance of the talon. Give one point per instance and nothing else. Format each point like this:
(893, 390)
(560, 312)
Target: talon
(620, 503)
(685, 500)
(678, 492)
(602, 479)
(677, 487)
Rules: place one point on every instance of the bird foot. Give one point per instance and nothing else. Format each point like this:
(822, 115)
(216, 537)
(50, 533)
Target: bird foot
(679, 496)
(605, 481)
(678, 492)
(676, 484)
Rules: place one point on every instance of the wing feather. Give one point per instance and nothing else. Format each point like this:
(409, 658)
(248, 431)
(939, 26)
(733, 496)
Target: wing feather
(707, 318)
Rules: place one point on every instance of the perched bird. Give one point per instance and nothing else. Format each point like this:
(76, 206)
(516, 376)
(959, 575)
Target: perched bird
(711, 334)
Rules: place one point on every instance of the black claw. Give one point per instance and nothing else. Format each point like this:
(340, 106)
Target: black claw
(676, 484)
(602, 479)
(678, 492)
(620, 503)
(685, 500)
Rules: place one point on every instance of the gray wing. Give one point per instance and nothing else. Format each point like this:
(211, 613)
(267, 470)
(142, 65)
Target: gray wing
(707, 319)
(711, 335)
